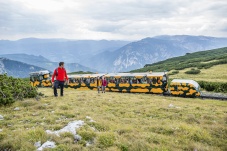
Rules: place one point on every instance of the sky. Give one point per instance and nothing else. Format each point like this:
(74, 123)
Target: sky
(111, 19)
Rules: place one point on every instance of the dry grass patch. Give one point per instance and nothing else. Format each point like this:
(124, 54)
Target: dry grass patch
(116, 121)
(216, 73)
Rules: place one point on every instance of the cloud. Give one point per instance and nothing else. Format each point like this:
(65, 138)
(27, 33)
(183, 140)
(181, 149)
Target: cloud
(105, 19)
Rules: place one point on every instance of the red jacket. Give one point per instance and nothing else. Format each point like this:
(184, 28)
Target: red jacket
(104, 83)
(61, 75)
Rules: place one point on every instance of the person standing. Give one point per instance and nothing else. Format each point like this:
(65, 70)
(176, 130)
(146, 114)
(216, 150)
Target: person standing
(104, 83)
(58, 78)
(99, 83)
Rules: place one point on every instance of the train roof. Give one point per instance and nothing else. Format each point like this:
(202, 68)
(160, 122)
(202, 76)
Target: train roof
(42, 72)
(86, 75)
(143, 74)
(186, 81)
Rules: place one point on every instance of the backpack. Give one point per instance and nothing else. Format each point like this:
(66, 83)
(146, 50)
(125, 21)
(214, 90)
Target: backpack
(57, 71)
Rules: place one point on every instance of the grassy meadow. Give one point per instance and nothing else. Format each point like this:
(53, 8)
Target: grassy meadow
(216, 73)
(121, 122)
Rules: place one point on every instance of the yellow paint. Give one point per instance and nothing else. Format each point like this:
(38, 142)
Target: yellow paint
(73, 84)
(139, 77)
(46, 76)
(174, 92)
(156, 90)
(93, 84)
(139, 90)
(141, 85)
(36, 83)
(117, 77)
(171, 88)
(83, 85)
(185, 88)
(111, 85)
(179, 88)
(184, 84)
(124, 85)
(197, 94)
(192, 91)
(192, 86)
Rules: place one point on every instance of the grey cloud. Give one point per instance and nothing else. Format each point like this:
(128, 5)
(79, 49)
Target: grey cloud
(15, 19)
(115, 18)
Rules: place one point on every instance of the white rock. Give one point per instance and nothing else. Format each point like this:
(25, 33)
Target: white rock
(17, 109)
(171, 105)
(71, 127)
(1, 117)
(37, 144)
(47, 144)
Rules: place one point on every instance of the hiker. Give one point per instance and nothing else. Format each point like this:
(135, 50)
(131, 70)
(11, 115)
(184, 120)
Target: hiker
(104, 83)
(60, 75)
(99, 83)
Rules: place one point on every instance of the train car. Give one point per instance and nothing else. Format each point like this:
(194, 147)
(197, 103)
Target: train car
(40, 78)
(137, 82)
(122, 82)
(184, 88)
(83, 81)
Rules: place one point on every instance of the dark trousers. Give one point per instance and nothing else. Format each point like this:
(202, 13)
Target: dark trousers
(58, 84)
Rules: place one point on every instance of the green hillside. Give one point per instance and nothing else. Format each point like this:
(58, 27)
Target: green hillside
(197, 60)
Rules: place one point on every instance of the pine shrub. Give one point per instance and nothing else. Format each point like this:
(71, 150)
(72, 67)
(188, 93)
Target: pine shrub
(12, 89)
(193, 71)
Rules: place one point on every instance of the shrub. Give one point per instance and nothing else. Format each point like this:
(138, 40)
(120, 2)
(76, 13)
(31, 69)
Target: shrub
(193, 71)
(213, 86)
(12, 89)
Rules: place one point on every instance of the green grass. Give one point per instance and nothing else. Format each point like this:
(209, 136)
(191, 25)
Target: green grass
(123, 121)
(216, 73)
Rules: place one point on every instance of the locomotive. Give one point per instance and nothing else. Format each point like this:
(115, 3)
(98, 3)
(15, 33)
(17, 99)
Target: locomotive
(146, 82)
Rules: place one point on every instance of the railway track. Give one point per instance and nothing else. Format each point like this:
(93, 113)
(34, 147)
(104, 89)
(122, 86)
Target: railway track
(215, 96)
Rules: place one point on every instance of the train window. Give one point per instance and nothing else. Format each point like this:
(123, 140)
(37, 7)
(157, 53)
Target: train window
(92, 80)
(124, 80)
(154, 80)
(143, 80)
(111, 80)
(32, 78)
(134, 80)
(148, 80)
(40, 77)
(158, 80)
(164, 78)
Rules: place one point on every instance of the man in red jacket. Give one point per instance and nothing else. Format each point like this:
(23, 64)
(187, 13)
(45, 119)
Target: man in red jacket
(60, 75)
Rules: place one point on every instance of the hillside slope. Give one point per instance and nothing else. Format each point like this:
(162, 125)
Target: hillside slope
(17, 69)
(43, 62)
(203, 59)
(212, 65)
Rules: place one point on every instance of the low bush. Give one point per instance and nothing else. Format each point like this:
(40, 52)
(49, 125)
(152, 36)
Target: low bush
(213, 86)
(12, 89)
(193, 71)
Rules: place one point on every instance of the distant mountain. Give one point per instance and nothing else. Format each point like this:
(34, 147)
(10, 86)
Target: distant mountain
(55, 50)
(16, 68)
(150, 50)
(42, 62)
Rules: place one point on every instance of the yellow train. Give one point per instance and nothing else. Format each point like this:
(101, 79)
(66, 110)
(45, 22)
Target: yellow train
(148, 82)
